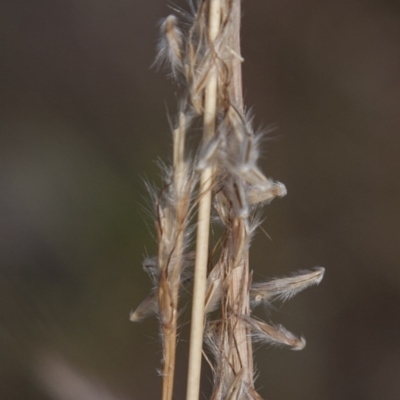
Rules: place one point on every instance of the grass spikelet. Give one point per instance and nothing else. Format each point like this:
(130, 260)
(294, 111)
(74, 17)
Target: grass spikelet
(147, 308)
(213, 293)
(265, 193)
(285, 288)
(274, 335)
(169, 48)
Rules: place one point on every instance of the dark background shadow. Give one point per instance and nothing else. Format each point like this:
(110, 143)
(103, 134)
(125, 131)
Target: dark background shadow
(83, 118)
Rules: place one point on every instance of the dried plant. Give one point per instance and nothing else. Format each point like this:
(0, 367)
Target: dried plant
(202, 51)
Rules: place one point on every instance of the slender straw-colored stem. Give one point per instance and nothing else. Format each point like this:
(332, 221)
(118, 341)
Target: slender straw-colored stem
(203, 228)
(170, 332)
(239, 279)
(173, 284)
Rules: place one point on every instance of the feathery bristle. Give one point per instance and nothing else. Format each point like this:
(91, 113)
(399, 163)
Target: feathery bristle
(169, 48)
(208, 153)
(150, 266)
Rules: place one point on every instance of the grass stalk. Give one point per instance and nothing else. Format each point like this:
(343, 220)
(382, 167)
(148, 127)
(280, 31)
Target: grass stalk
(203, 227)
(206, 58)
(239, 276)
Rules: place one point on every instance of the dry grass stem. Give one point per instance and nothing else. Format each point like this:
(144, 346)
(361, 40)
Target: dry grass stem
(223, 178)
(203, 226)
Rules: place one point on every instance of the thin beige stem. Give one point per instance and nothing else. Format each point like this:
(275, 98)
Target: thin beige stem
(170, 331)
(169, 363)
(203, 227)
(172, 284)
(238, 298)
(236, 86)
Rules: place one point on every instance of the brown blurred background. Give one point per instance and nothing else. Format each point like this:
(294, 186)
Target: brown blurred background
(83, 118)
